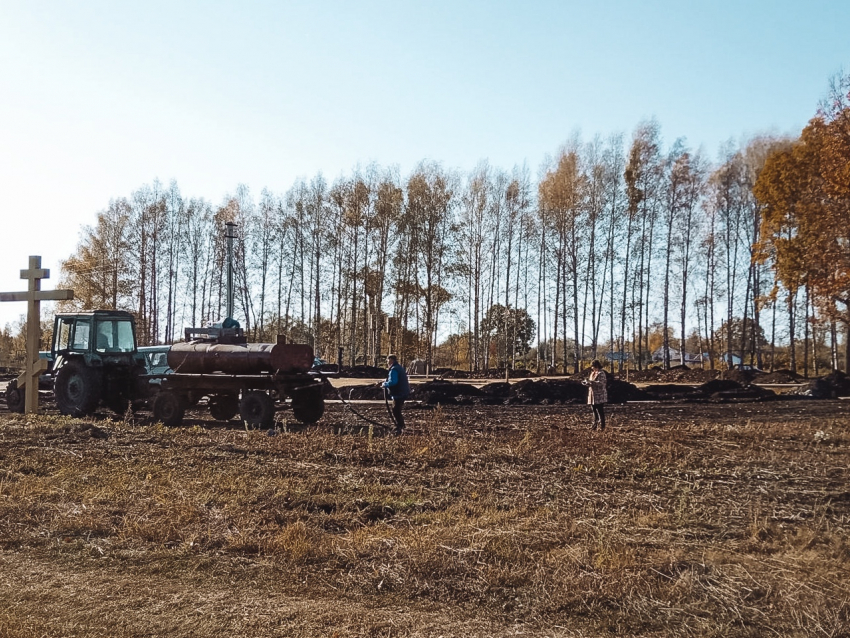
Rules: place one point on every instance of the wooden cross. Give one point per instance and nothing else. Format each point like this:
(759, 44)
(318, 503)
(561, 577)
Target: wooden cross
(33, 296)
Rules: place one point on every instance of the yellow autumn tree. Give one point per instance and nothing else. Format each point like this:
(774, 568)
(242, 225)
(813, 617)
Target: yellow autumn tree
(805, 195)
(97, 271)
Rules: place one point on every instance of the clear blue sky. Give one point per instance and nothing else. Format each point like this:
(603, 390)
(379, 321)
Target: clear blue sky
(100, 97)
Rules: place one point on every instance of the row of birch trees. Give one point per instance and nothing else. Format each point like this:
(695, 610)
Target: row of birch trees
(613, 248)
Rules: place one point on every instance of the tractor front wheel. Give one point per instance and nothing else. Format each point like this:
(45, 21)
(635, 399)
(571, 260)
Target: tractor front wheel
(77, 389)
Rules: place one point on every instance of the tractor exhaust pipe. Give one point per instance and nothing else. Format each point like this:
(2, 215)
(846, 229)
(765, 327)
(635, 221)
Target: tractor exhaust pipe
(230, 235)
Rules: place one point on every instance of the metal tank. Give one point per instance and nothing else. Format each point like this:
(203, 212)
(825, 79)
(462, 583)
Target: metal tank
(206, 358)
(246, 358)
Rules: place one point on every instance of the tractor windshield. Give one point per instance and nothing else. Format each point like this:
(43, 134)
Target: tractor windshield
(115, 335)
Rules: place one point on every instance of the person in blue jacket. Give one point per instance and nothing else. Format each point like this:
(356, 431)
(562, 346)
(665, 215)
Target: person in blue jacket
(398, 387)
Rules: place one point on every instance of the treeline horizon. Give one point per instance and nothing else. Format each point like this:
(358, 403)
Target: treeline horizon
(615, 246)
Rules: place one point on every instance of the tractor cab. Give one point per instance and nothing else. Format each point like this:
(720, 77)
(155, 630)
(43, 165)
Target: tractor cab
(94, 335)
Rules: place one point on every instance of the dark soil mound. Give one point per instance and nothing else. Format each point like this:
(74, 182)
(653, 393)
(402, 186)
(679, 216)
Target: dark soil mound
(718, 385)
(743, 393)
(832, 386)
(839, 383)
(777, 376)
(500, 374)
(562, 391)
(676, 374)
(439, 391)
(816, 388)
(729, 390)
(497, 390)
(620, 392)
(493, 373)
(356, 392)
(741, 376)
(364, 372)
(449, 373)
(641, 376)
(530, 392)
(683, 374)
(714, 390)
(668, 392)
(525, 392)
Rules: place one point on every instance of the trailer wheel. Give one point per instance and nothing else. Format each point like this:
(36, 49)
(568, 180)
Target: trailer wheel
(257, 408)
(308, 404)
(169, 408)
(77, 389)
(15, 397)
(224, 407)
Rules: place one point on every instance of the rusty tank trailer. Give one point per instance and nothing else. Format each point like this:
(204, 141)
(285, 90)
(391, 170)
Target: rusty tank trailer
(217, 362)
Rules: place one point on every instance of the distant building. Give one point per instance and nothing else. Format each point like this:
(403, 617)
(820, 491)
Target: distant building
(676, 357)
(726, 357)
(417, 366)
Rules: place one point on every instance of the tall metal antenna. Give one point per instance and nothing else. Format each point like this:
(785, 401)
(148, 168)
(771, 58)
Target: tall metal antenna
(230, 235)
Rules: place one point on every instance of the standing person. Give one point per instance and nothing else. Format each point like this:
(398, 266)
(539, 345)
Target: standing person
(399, 388)
(597, 394)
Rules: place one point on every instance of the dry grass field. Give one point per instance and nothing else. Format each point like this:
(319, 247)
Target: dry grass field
(679, 520)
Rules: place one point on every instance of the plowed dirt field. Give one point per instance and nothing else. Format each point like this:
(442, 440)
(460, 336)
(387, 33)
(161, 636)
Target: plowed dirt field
(727, 519)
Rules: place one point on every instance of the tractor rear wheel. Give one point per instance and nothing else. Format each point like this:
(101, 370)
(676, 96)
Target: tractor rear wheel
(257, 408)
(77, 389)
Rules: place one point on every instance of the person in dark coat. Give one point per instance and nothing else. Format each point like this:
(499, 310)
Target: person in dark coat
(398, 387)
(597, 394)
